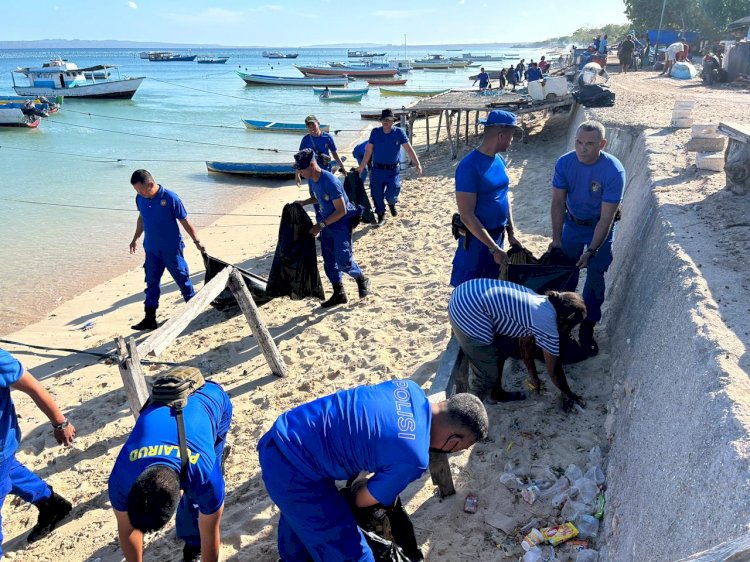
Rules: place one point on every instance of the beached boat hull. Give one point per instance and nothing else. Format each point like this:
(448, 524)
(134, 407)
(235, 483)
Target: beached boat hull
(387, 82)
(14, 117)
(275, 127)
(263, 80)
(115, 89)
(406, 92)
(338, 71)
(259, 170)
(342, 91)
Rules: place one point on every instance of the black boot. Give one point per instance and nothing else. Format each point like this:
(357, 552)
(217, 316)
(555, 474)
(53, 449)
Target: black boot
(394, 212)
(381, 219)
(191, 553)
(338, 297)
(363, 285)
(586, 338)
(148, 322)
(51, 511)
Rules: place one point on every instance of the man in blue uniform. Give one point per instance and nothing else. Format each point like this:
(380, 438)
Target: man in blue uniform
(491, 319)
(322, 144)
(15, 478)
(588, 187)
(386, 429)
(534, 73)
(334, 215)
(484, 79)
(383, 148)
(145, 483)
(482, 200)
(159, 212)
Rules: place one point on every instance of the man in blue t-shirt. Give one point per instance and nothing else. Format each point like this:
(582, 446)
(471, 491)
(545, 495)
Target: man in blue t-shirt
(145, 483)
(322, 144)
(384, 148)
(334, 215)
(588, 187)
(386, 429)
(15, 478)
(159, 211)
(484, 79)
(482, 200)
(492, 319)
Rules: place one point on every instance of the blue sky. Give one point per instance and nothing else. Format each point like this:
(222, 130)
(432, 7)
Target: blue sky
(305, 22)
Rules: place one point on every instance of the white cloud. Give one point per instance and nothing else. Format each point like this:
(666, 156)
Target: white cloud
(462, 2)
(133, 5)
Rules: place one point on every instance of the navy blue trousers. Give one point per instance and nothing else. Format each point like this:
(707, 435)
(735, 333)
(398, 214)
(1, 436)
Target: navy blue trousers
(475, 262)
(574, 238)
(174, 262)
(385, 185)
(336, 248)
(315, 521)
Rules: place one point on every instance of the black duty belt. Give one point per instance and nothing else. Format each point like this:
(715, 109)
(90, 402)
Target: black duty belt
(379, 166)
(582, 222)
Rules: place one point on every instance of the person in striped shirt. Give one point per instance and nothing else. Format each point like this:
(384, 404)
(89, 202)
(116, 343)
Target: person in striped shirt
(488, 318)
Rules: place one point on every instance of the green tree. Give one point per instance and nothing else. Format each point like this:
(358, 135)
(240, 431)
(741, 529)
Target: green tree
(709, 17)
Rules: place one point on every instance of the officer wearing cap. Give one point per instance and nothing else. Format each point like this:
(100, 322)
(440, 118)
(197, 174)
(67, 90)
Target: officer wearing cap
(482, 199)
(587, 190)
(322, 144)
(334, 213)
(383, 148)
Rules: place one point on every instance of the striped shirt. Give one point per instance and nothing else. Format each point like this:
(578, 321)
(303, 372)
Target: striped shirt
(482, 308)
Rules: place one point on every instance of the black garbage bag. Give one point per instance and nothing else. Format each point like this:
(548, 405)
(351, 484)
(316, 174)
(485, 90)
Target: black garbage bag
(540, 278)
(294, 271)
(595, 95)
(355, 191)
(255, 284)
(384, 550)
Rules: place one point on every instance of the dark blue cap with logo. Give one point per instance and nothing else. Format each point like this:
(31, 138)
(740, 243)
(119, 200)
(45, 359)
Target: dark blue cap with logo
(303, 158)
(500, 118)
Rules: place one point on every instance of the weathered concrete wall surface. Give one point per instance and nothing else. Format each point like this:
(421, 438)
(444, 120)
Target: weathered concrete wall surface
(678, 468)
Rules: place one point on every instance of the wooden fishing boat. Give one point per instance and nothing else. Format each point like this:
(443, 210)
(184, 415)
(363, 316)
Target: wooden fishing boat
(212, 60)
(411, 92)
(440, 69)
(341, 91)
(342, 98)
(376, 82)
(264, 80)
(165, 56)
(17, 117)
(373, 71)
(276, 127)
(278, 170)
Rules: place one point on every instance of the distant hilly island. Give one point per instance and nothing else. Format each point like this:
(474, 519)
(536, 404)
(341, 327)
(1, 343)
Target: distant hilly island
(113, 44)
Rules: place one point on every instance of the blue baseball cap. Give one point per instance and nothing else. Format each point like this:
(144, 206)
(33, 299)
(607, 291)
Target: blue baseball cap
(303, 158)
(500, 118)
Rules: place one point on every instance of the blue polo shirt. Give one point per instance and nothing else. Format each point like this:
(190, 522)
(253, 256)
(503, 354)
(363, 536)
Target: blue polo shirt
(589, 185)
(324, 144)
(533, 74)
(386, 148)
(482, 308)
(384, 429)
(154, 441)
(484, 79)
(10, 434)
(359, 151)
(326, 190)
(160, 215)
(486, 177)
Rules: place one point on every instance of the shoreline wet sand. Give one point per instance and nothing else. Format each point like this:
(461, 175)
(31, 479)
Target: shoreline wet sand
(399, 331)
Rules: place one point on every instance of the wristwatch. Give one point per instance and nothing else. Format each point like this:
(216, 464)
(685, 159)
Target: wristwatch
(592, 252)
(62, 426)
(494, 250)
(322, 225)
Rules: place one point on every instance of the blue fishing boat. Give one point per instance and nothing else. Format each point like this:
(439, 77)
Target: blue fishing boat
(207, 59)
(278, 170)
(265, 80)
(341, 98)
(342, 91)
(276, 127)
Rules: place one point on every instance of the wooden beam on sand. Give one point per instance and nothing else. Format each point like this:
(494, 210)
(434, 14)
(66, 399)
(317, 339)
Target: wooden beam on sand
(730, 551)
(163, 337)
(257, 326)
(131, 372)
(443, 386)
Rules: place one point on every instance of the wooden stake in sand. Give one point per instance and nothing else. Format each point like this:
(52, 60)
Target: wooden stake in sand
(129, 355)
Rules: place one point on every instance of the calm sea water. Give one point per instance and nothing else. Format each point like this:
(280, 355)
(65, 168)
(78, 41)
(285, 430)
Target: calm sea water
(183, 114)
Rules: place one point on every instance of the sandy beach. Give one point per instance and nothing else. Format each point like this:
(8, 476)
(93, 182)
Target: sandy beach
(399, 331)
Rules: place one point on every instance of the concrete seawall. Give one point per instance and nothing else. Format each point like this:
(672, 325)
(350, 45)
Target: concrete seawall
(678, 423)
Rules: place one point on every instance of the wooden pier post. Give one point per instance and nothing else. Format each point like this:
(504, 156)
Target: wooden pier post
(440, 122)
(466, 128)
(427, 127)
(448, 126)
(257, 326)
(458, 130)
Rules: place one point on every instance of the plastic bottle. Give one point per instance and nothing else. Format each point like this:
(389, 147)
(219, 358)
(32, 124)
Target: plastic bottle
(573, 473)
(533, 555)
(587, 490)
(587, 525)
(572, 509)
(595, 473)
